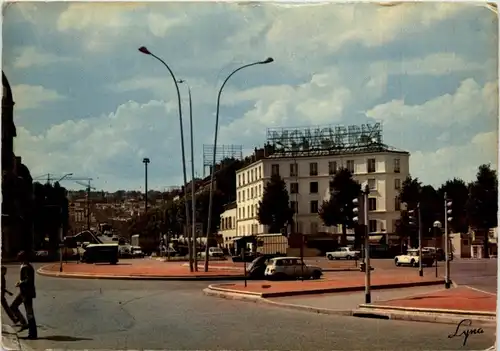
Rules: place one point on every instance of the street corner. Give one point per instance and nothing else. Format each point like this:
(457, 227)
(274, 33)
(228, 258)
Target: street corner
(450, 306)
(10, 340)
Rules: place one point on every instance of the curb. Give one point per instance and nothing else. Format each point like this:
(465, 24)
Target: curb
(459, 313)
(46, 273)
(330, 290)
(425, 315)
(258, 299)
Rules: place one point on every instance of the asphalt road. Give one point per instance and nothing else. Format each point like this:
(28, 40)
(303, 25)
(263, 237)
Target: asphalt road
(106, 314)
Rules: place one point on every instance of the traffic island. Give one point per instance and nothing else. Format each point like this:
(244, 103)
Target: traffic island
(137, 270)
(447, 306)
(322, 286)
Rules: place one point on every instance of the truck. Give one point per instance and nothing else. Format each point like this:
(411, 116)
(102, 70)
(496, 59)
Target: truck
(148, 244)
(268, 244)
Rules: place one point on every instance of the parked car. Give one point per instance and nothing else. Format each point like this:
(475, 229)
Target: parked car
(346, 253)
(136, 252)
(213, 252)
(291, 267)
(97, 253)
(412, 258)
(257, 268)
(438, 253)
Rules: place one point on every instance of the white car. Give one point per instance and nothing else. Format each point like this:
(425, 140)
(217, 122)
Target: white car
(412, 258)
(291, 267)
(345, 253)
(213, 252)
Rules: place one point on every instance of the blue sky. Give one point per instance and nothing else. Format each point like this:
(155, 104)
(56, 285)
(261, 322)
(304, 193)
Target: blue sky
(89, 103)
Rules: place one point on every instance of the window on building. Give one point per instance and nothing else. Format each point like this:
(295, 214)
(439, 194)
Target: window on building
(397, 203)
(252, 213)
(243, 178)
(314, 228)
(350, 166)
(397, 165)
(293, 169)
(239, 213)
(397, 184)
(313, 187)
(239, 179)
(294, 188)
(248, 194)
(275, 169)
(251, 192)
(243, 195)
(314, 206)
(372, 184)
(313, 169)
(332, 167)
(256, 209)
(372, 204)
(260, 174)
(239, 196)
(260, 189)
(294, 206)
(372, 225)
(371, 165)
(229, 224)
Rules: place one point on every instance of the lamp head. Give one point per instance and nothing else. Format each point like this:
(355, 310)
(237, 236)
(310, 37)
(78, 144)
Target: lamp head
(267, 60)
(144, 50)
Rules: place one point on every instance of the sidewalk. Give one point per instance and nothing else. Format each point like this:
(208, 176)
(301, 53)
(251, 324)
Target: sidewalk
(136, 269)
(10, 340)
(332, 283)
(446, 306)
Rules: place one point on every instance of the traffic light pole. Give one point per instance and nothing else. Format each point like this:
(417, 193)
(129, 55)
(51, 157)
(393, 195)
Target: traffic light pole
(447, 240)
(368, 298)
(420, 263)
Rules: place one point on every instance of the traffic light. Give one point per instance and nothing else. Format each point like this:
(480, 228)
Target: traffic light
(412, 219)
(355, 211)
(449, 211)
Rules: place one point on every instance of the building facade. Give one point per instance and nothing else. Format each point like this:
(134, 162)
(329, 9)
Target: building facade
(227, 227)
(308, 179)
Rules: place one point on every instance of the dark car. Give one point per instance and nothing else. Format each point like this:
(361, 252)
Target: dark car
(258, 266)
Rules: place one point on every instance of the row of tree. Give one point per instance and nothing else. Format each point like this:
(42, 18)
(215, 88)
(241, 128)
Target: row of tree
(474, 205)
(51, 214)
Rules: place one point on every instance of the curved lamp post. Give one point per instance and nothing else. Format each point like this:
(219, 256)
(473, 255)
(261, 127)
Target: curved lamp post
(145, 51)
(193, 198)
(210, 203)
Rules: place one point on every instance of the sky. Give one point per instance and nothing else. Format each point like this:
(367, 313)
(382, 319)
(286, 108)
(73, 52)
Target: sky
(89, 103)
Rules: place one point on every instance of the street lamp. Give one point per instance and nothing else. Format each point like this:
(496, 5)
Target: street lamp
(145, 51)
(146, 162)
(437, 228)
(193, 198)
(448, 212)
(360, 212)
(210, 203)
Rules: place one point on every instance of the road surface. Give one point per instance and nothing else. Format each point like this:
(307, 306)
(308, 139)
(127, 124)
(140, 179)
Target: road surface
(106, 314)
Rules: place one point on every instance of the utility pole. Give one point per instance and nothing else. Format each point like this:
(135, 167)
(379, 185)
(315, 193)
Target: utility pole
(146, 162)
(420, 263)
(356, 219)
(88, 206)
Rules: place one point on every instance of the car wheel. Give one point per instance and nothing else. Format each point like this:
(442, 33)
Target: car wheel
(348, 257)
(330, 257)
(396, 262)
(412, 263)
(316, 275)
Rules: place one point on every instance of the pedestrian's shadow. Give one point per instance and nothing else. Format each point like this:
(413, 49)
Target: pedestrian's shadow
(58, 338)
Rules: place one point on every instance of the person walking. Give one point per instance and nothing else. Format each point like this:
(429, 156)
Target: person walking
(5, 304)
(25, 296)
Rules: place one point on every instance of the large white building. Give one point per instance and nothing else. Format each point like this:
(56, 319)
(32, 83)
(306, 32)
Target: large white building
(307, 179)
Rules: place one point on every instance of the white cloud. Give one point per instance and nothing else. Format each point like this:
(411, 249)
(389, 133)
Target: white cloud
(159, 25)
(456, 161)
(33, 96)
(469, 102)
(102, 145)
(31, 56)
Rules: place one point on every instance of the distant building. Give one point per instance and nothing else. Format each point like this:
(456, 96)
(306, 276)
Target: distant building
(307, 178)
(227, 227)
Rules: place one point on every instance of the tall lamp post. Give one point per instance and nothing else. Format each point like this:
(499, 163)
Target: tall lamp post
(193, 197)
(145, 51)
(146, 162)
(210, 203)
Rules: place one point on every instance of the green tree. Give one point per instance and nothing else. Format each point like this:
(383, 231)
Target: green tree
(482, 206)
(274, 208)
(409, 195)
(458, 193)
(338, 209)
(430, 209)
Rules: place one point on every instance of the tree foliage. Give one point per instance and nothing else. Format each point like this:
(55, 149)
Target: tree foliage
(458, 193)
(274, 208)
(482, 205)
(338, 209)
